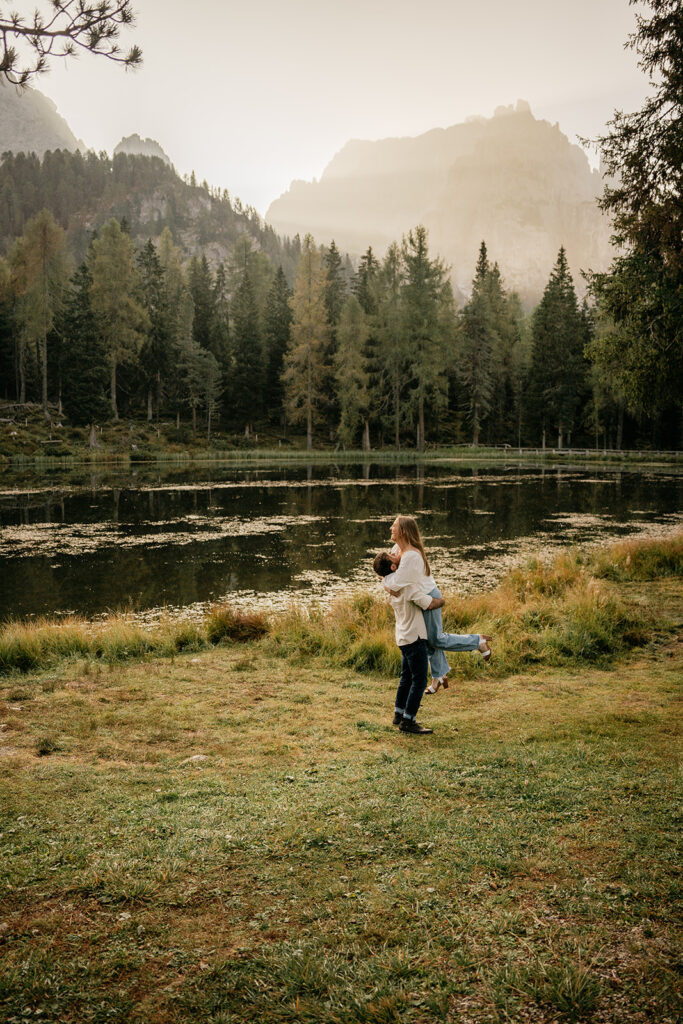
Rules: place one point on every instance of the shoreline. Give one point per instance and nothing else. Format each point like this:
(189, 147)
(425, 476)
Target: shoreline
(356, 630)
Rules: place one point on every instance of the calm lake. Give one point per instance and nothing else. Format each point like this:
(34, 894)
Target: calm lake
(148, 539)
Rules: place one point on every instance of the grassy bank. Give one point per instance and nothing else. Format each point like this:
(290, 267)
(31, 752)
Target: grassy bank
(28, 441)
(565, 612)
(239, 835)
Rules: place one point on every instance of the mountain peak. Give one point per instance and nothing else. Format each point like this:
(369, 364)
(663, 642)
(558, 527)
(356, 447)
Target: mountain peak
(513, 180)
(135, 146)
(30, 123)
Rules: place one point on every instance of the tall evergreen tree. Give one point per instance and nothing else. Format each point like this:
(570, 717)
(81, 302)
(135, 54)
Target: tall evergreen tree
(248, 371)
(424, 293)
(157, 347)
(115, 298)
(277, 322)
(363, 284)
(304, 374)
(392, 349)
(557, 372)
(351, 373)
(84, 356)
(478, 341)
(642, 294)
(336, 288)
(201, 284)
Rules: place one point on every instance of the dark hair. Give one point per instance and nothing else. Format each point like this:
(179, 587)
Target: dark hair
(383, 563)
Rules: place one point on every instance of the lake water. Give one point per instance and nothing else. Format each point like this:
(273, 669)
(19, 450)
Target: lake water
(145, 540)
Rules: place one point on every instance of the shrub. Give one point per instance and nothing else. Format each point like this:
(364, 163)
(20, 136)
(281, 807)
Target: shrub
(225, 623)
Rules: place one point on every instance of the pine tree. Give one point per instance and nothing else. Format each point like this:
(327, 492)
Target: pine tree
(392, 349)
(336, 288)
(178, 301)
(115, 298)
(157, 347)
(304, 374)
(642, 294)
(557, 372)
(363, 284)
(84, 356)
(201, 286)
(424, 295)
(478, 340)
(248, 360)
(351, 373)
(277, 321)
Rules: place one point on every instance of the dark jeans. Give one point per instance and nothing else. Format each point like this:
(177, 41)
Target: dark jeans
(413, 681)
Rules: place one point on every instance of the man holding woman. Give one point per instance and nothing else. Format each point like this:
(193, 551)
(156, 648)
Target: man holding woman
(419, 631)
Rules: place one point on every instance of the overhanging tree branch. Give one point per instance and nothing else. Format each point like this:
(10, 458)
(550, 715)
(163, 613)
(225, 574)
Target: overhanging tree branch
(27, 44)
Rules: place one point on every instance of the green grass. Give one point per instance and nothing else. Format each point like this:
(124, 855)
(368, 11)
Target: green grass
(239, 834)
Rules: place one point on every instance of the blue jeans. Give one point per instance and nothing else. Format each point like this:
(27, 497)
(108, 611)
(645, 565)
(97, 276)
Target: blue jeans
(413, 681)
(439, 641)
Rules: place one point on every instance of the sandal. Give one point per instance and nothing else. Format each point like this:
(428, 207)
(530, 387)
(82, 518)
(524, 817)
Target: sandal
(434, 686)
(484, 648)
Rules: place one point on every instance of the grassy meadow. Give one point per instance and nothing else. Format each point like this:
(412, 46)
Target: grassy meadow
(225, 827)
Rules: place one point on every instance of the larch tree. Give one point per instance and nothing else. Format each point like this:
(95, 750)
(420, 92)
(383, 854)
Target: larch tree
(304, 375)
(41, 269)
(115, 297)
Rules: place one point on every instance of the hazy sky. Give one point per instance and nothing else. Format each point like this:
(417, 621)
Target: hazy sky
(253, 94)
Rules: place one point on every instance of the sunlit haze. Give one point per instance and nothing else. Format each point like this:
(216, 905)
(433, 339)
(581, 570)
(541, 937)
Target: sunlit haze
(253, 95)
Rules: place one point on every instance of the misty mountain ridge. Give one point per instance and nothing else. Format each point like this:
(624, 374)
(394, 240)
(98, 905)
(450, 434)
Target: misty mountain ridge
(46, 166)
(30, 123)
(512, 180)
(133, 145)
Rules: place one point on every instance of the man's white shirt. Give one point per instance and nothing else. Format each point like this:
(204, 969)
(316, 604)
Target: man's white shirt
(409, 579)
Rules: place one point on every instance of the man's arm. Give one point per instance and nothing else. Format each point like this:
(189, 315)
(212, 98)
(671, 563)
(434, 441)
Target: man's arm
(414, 593)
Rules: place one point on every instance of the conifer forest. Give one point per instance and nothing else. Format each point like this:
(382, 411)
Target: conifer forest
(128, 292)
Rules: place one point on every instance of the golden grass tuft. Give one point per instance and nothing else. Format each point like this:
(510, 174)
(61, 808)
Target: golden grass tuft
(226, 623)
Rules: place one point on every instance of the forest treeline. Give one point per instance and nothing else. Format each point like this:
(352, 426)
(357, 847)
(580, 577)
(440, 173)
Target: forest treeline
(376, 356)
(84, 190)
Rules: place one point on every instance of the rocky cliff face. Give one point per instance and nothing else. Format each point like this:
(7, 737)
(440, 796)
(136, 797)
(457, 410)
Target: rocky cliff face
(136, 146)
(29, 123)
(512, 180)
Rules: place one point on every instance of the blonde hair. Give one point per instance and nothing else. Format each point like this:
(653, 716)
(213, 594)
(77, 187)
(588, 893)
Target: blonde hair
(409, 533)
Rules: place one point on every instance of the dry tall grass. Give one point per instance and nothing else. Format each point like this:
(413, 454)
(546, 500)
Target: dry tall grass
(568, 611)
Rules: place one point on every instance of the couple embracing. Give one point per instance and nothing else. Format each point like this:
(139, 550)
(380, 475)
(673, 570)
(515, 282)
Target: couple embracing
(417, 604)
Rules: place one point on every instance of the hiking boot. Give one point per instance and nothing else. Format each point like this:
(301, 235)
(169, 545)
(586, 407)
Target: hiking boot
(407, 725)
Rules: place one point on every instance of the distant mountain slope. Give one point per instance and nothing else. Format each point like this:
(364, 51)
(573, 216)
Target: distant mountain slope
(45, 166)
(84, 191)
(512, 180)
(29, 123)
